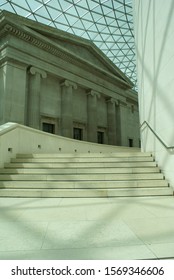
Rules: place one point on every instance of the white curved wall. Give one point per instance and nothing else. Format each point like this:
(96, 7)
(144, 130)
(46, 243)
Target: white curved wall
(154, 37)
(16, 138)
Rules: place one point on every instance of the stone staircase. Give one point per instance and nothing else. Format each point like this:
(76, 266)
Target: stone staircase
(83, 175)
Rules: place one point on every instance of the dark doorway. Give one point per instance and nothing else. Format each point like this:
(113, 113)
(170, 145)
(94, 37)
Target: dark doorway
(100, 137)
(130, 142)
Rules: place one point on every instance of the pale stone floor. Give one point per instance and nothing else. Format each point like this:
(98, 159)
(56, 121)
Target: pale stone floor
(69, 228)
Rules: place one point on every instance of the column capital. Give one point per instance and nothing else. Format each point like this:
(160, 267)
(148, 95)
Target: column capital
(93, 93)
(122, 103)
(68, 83)
(34, 70)
(112, 101)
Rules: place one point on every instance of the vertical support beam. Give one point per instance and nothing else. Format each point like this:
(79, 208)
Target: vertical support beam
(92, 115)
(34, 97)
(67, 108)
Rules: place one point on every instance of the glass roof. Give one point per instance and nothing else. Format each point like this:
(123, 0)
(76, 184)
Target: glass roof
(108, 23)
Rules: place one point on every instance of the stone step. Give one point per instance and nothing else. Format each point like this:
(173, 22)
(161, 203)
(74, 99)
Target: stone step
(83, 159)
(130, 173)
(84, 193)
(81, 165)
(86, 177)
(84, 155)
(80, 170)
(83, 184)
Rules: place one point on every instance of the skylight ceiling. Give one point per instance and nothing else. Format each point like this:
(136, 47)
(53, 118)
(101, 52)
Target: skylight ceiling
(108, 23)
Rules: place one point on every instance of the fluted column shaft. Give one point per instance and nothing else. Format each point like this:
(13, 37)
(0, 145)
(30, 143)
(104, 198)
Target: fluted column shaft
(34, 97)
(67, 108)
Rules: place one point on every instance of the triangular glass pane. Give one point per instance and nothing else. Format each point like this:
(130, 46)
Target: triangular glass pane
(71, 19)
(100, 28)
(83, 3)
(87, 24)
(110, 21)
(106, 9)
(98, 10)
(43, 12)
(23, 6)
(61, 19)
(109, 45)
(53, 12)
(129, 9)
(54, 4)
(33, 5)
(78, 24)
(88, 16)
(116, 4)
(104, 36)
(65, 5)
(101, 20)
(81, 11)
(93, 5)
(77, 32)
(42, 20)
(92, 33)
(72, 11)
(21, 11)
(96, 16)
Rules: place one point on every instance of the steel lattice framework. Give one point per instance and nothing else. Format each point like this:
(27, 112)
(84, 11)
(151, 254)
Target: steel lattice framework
(108, 23)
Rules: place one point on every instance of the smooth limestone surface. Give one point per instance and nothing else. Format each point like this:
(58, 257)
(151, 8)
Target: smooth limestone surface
(87, 228)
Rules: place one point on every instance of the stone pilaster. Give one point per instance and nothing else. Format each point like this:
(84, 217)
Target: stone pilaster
(67, 108)
(34, 97)
(111, 119)
(92, 115)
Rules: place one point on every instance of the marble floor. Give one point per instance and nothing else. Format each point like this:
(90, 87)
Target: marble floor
(91, 228)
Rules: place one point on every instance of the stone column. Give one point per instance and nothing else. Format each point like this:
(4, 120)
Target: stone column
(123, 123)
(12, 92)
(92, 115)
(34, 97)
(118, 123)
(111, 117)
(67, 108)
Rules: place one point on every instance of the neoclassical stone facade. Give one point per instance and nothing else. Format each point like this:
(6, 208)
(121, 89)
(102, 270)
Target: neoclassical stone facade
(60, 83)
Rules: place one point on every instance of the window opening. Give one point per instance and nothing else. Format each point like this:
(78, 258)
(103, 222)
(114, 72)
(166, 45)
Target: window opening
(78, 133)
(48, 127)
